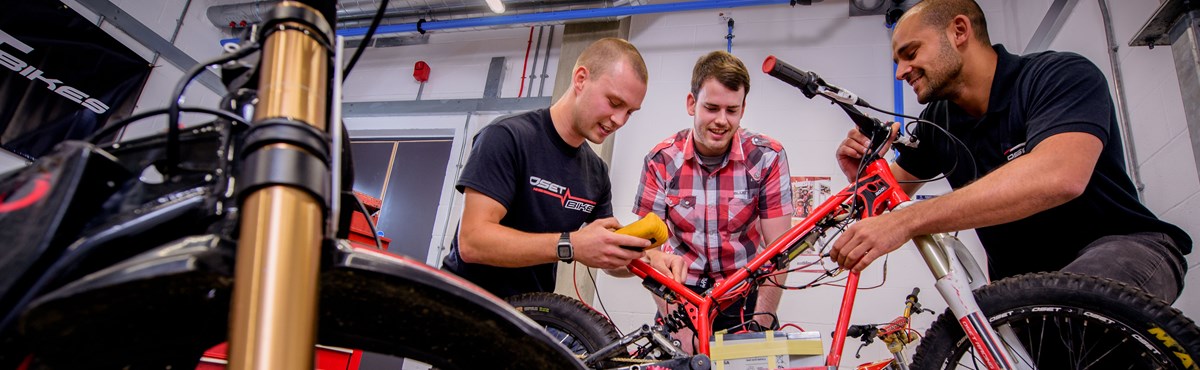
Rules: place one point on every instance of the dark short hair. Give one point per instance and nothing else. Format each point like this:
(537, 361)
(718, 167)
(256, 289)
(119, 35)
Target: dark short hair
(938, 13)
(724, 67)
(602, 54)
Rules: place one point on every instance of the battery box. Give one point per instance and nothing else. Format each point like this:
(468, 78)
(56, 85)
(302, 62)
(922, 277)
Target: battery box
(766, 350)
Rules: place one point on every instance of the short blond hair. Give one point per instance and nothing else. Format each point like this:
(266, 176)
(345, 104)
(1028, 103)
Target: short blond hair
(604, 53)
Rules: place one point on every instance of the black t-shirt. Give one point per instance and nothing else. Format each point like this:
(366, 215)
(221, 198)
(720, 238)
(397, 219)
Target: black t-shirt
(1032, 98)
(545, 184)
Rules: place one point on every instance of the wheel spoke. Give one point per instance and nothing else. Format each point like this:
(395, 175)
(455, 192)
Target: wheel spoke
(1068, 340)
(1110, 350)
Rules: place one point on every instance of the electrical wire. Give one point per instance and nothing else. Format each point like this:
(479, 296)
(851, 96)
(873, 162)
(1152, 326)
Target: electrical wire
(601, 301)
(579, 296)
(792, 325)
(177, 100)
(966, 149)
(370, 222)
(115, 126)
(366, 39)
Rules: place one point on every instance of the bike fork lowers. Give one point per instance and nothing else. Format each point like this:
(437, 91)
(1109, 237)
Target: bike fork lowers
(956, 290)
(282, 191)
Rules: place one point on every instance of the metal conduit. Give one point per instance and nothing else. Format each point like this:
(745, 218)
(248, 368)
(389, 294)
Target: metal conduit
(1131, 162)
(568, 15)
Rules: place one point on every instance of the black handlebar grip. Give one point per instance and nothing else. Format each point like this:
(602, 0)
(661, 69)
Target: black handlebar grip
(787, 73)
(855, 331)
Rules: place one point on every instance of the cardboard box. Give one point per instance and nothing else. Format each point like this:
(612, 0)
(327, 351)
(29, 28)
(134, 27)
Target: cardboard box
(766, 350)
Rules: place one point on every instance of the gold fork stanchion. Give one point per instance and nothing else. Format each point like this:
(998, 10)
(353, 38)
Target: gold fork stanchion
(273, 316)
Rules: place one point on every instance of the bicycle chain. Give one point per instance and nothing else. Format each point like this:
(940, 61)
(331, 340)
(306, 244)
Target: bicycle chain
(623, 359)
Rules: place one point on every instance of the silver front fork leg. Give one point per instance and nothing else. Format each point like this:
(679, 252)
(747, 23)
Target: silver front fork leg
(954, 284)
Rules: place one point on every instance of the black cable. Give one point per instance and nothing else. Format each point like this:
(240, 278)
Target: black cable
(366, 39)
(370, 223)
(966, 149)
(177, 95)
(111, 129)
(602, 308)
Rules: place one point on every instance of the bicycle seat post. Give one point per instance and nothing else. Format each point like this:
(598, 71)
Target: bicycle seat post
(282, 191)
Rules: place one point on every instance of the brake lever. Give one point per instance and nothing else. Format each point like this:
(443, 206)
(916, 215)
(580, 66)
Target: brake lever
(907, 140)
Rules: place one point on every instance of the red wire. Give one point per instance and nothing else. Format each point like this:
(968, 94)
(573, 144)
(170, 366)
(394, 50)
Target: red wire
(575, 282)
(792, 325)
(525, 66)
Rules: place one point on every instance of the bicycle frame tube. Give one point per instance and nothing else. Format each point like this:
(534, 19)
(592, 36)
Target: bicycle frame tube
(879, 191)
(273, 314)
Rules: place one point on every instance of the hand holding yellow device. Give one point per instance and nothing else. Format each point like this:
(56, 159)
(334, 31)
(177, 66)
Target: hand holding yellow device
(651, 228)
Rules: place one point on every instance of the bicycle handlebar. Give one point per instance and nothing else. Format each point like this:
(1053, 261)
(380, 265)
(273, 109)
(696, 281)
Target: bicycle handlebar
(812, 85)
(807, 82)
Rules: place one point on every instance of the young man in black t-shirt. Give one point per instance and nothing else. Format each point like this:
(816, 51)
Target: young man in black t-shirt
(531, 183)
(1044, 182)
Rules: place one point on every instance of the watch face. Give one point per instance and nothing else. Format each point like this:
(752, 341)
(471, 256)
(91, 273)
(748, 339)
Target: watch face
(565, 251)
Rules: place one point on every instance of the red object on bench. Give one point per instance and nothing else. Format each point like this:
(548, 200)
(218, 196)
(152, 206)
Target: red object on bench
(360, 232)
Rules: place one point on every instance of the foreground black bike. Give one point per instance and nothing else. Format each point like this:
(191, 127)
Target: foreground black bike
(144, 254)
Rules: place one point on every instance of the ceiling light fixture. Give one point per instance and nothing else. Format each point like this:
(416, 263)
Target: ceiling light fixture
(496, 6)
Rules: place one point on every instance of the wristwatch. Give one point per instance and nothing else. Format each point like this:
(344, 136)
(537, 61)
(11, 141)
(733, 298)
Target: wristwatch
(566, 252)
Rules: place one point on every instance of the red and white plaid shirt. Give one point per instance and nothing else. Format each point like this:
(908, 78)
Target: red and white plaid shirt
(712, 216)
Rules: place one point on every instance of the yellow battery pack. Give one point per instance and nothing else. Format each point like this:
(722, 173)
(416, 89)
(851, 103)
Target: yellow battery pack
(766, 350)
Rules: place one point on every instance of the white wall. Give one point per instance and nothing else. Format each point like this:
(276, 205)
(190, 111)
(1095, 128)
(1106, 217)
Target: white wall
(197, 37)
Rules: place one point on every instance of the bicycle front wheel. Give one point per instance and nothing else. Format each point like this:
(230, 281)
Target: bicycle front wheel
(575, 326)
(1070, 321)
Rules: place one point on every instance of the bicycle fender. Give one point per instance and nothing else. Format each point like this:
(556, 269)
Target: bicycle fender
(436, 306)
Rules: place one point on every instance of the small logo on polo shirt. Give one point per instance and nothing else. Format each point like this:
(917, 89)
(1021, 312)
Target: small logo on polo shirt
(1014, 152)
(562, 193)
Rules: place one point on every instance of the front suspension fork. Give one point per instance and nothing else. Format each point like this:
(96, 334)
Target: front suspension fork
(944, 255)
(283, 186)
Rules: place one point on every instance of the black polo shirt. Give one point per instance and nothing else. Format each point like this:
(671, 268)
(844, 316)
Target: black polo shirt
(545, 186)
(1032, 98)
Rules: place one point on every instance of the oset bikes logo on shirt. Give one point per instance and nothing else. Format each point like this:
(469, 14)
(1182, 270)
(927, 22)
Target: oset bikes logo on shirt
(562, 193)
(1014, 152)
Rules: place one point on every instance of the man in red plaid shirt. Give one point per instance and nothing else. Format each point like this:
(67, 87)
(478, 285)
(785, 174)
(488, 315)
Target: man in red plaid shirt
(723, 191)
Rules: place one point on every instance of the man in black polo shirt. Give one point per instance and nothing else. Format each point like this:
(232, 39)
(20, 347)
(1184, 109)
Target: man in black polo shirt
(530, 182)
(1044, 183)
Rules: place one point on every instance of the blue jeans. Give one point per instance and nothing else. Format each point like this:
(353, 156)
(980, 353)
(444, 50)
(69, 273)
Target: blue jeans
(1150, 261)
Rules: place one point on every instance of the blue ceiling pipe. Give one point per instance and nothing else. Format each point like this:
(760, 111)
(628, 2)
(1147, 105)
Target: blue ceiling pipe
(565, 15)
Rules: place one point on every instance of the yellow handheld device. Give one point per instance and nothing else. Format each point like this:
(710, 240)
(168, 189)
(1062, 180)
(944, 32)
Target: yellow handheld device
(650, 228)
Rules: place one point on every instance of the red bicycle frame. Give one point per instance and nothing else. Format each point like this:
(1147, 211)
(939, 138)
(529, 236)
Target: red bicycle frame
(876, 190)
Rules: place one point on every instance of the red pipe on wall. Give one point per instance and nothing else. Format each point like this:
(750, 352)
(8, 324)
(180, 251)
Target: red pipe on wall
(524, 66)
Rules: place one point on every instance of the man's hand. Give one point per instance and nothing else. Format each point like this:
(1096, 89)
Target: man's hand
(854, 147)
(670, 264)
(868, 239)
(596, 245)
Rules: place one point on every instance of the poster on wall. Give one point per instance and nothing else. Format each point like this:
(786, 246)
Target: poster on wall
(61, 76)
(807, 193)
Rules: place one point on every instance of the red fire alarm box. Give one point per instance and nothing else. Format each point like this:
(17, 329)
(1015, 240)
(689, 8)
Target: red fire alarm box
(421, 71)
